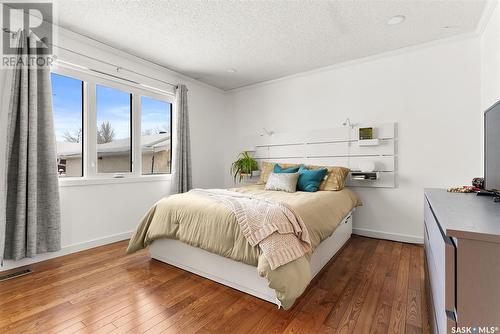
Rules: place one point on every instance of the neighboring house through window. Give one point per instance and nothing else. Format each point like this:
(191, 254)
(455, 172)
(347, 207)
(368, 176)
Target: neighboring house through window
(114, 130)
(105, 128)
(156, 122)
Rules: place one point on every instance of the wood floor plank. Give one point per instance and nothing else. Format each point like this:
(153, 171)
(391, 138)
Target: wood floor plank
(380, 323)
(200, 316)
(385, 301)
(70, 329)
(271, 318)
(414, 277)
(188, 312)
(243, 320)
(413, 309)
(358, 262)
(410, 329)
(226, 316)
(426, 326)
(142, 324)
(372, 286)
(398, 312)
(369, 308)
(365, 275)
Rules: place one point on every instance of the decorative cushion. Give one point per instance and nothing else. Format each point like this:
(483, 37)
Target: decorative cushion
(335, 178)
(283, 182)
(279, 169)
(267, 168)
(310, 179)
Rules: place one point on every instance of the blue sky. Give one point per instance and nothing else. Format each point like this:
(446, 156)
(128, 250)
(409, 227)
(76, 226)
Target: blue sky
(112, 105)
(67, 104)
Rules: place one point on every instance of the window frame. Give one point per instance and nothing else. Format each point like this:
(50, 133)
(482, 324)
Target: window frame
(83, 123)
(93, 171)
(89, 154)
(158, 97)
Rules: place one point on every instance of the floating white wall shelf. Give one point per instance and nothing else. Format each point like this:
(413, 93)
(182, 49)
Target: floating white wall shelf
(364, 176)
(369, 142)
(333, 147)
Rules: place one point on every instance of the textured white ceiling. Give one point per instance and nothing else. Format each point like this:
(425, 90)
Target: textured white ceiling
(262, 40)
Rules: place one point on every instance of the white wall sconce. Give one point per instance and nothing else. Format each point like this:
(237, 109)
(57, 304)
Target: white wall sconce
(348, 123)
(267, 132)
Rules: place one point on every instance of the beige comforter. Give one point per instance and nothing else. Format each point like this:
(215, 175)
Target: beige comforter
(202, 222)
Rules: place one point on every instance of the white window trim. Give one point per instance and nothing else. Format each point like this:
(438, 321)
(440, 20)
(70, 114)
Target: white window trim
(87, 181)
(90, 174)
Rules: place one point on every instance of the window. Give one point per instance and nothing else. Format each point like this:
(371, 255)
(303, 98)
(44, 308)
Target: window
(156, 147)
(67, 99)
(107, 128)
(114, 130)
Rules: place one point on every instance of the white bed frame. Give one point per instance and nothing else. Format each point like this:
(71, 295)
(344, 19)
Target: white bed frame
(333, 147)
(239, 275)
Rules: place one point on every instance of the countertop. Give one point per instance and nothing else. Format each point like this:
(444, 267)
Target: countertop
(466, 215)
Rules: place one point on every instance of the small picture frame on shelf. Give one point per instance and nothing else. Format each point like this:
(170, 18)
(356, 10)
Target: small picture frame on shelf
(365, 133)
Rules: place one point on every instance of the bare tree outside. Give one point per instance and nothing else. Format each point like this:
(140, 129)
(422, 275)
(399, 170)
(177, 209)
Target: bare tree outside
(105, 133)
(75, 136)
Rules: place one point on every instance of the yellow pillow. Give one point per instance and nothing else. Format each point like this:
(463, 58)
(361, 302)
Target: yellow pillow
(268, 167)
(335, 179)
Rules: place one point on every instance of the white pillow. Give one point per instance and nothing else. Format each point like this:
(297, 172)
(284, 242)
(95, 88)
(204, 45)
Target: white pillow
(283, 182)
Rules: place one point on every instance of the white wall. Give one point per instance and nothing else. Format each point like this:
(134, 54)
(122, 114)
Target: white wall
(96, 214)
(433, 93)
(490, 60)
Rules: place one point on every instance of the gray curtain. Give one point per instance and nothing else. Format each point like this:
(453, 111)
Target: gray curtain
(32, 224)
(5, 80)
(181, 176)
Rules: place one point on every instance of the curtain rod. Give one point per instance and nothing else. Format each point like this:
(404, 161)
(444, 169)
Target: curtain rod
(118, 68)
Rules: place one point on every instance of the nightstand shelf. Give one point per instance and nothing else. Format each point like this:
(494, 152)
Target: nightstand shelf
(368, 142)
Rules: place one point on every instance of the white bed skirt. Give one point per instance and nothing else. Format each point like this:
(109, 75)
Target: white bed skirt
(239, 275)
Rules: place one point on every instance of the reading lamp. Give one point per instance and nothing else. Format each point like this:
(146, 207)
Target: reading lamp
(347, 122)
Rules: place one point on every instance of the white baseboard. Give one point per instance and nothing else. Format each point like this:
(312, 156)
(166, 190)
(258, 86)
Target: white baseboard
(65, 250)
(389, 236)
(8, 264)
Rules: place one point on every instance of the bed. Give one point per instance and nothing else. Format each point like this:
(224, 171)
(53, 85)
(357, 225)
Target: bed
(200, 235)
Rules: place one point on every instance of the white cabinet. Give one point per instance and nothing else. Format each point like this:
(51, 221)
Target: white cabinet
(462, 249)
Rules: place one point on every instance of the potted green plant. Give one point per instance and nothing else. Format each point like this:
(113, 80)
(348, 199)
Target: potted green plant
(244, 166)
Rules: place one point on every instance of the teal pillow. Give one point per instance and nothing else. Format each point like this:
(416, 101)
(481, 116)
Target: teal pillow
(309, 179)
(278, 169)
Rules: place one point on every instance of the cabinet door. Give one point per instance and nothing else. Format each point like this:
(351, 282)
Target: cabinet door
(440, 252)
(478, 292)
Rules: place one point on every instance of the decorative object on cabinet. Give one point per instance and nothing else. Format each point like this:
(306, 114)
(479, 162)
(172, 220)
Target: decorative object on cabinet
(478, 182)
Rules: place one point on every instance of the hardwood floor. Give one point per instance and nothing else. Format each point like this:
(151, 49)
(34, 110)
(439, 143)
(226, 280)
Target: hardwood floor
(372, 286)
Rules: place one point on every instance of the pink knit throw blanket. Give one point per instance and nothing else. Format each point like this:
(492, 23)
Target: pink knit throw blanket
(274, 227)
